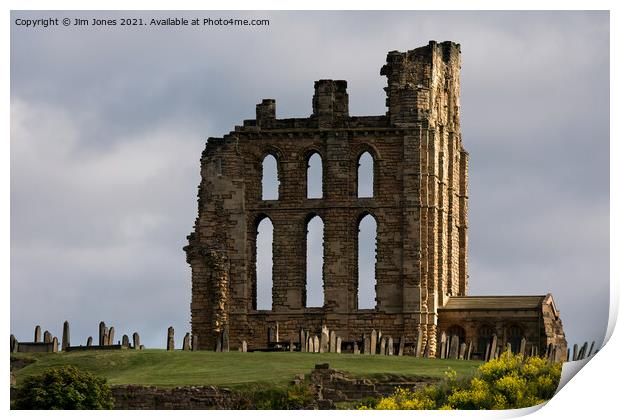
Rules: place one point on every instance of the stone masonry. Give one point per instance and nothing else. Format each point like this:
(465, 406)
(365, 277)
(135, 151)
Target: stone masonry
(419, 204)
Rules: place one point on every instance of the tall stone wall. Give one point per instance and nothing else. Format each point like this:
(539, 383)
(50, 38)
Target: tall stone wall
(419, 204)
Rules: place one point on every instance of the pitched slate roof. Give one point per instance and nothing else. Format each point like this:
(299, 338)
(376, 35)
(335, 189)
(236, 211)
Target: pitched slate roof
(490, 303)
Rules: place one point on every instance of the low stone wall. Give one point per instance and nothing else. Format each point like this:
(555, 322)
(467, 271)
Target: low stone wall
(132, 397)
(334, 386)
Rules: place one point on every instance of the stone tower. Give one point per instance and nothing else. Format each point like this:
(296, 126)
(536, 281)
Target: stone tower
(419, 205)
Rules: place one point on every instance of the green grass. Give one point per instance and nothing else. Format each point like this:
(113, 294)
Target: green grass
(234, 369)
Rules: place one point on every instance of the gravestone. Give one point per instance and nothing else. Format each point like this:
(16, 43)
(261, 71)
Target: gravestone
(365, 343)
(186, 342)
(316, 344)
(291, 346)
(195, 342)
(332, 341)
(493, 348)
(105, 337)
(487, 352)
(575, 352)
(37, 334)
(522, 346)
(338, 345)
(568, 354)
(65, 336)
(470, 347)
(277, 332)
(462, 351)
(302, 341)
(454, 347)
(508, 348)
(379, 336)
(136, 341)
(218, 343)
(324, 344)
(244, 346)
(373, 342)
(111, 336)
(418, 345)
(591, 347)
(47, 337)
(382, 345)
(442, 348)
(170, 339)
(225, 339)
(310, 345)
(356, 349)
(101, 333)
(390, 346)
(427, 349)
(13, 345)
(125, 342)
(401, 346)
(55, 345)
(584, 351)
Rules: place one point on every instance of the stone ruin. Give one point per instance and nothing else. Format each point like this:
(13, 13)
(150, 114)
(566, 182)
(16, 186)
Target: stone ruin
(420, 201)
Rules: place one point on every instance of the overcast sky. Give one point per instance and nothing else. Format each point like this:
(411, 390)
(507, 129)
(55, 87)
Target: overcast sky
(108, 124)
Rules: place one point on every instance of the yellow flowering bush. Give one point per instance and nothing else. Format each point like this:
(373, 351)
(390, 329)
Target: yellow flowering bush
(511, 381)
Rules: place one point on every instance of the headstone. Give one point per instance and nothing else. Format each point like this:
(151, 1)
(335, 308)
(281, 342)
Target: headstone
(308, 342)
(324, 344)
(302, 341)
(195, 346)
(186, 342)
(47, 337)
(66, 337)
(291, 346)
(462, 351)
(277, 331)
(244, 346)
(487, 352)
(356, 349)
(136, 341)
(225, 339)
(310, 345)
(379, 336)
(568, 354)
(125, 342)
(170, 339)
(366, 344)
(401, 346)
(418, 345)
(575, 352)
(55, 345)
(316, 344)
(442, 342)
(332, 341)
(37, 334)
(390, 346)
(497, 352)
(522, 346)
(548, 351)
(141, 346)
(373, 342)
(89, 341)
(508, 348)
(218, 343)
(338, 345)
(591, 347)
(271, 336)
(470, 347)
(101, 333)
(13, 346)
(382, 346)
(454, 347)
(105, 337)
(584, 350)
(493, 348)
(111, 336)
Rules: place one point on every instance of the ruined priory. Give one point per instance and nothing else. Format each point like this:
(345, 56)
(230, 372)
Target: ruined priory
(419, 203)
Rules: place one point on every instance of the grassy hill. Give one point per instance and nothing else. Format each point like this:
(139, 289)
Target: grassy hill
(234, 369)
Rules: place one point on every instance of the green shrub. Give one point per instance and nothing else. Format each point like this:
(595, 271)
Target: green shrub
(64, 388)
(295, 397)
(507, 382)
